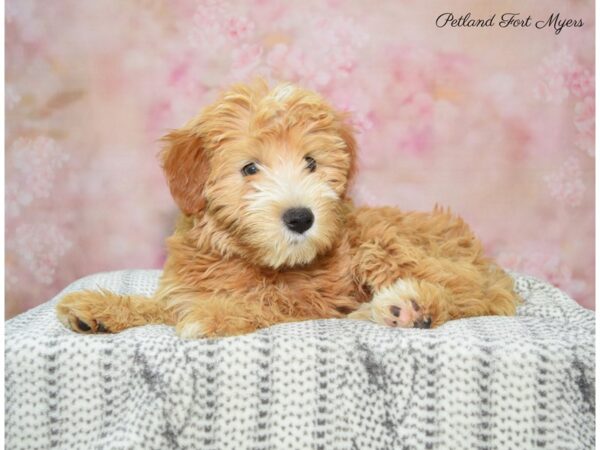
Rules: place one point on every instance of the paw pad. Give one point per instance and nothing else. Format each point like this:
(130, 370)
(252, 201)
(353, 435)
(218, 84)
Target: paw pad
(76, 324)
(82, 326)
(423, 323)
(398, 306)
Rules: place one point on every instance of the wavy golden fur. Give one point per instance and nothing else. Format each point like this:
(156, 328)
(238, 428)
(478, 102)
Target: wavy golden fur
(235, 265)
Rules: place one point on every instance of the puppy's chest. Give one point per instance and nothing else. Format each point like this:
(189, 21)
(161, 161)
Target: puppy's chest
(329, 278)
(324, 280)
(328, 283)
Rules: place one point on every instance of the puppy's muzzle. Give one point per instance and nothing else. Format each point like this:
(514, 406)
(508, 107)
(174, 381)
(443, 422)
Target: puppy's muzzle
(298, 219)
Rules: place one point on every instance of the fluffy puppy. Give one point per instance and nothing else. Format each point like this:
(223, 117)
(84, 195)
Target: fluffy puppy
(268, 234)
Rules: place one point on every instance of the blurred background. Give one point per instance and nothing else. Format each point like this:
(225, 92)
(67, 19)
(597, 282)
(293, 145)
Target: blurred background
(496, 123)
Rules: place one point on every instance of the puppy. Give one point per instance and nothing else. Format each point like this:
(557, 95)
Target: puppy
(268, 233)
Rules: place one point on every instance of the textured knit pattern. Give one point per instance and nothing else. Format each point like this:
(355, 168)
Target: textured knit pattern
(488, 382)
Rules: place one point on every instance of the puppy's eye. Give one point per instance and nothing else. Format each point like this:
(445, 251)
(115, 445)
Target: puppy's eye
(311, 164)
(249, 169)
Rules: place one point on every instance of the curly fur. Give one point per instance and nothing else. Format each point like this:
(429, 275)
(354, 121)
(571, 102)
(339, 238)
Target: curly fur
(233, 267)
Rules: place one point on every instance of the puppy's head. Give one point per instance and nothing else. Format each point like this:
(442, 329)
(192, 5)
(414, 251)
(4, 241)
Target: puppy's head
(268, 169)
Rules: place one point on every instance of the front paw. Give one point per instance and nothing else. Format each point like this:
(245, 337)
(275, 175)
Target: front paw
(409, 304)
(76, 311)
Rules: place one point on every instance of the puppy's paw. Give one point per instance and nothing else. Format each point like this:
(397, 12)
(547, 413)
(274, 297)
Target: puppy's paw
(409, 304)
(76, 311)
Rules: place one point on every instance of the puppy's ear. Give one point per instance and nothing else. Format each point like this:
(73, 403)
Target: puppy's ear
(186, 168)
(346, 132)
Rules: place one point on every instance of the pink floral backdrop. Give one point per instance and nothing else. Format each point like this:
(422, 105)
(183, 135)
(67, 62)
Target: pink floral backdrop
(496, 123)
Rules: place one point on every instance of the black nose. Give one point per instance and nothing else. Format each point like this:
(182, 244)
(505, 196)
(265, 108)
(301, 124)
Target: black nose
(298, 219)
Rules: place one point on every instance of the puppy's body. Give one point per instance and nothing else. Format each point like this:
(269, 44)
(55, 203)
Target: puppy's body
(238, 297)
(268, 234)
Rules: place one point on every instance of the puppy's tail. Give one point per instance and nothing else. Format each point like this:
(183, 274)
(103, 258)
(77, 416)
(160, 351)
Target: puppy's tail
(105, 312)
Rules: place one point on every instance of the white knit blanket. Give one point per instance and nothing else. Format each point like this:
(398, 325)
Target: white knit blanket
(489, 382)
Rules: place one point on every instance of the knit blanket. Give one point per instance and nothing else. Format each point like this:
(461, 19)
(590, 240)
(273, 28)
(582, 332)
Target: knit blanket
(489, 382)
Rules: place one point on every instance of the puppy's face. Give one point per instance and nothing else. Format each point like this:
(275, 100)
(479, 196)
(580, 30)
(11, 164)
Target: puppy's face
(269, 169)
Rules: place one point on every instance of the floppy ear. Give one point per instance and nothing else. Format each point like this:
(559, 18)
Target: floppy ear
(186, 168)
(346, 132)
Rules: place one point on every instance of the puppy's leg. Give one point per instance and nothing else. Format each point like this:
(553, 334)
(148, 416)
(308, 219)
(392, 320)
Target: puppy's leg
(105, 312)
(474, 288)
(214, 317)
(211, 315)
(208, 315)
(441, 291)
(379, 262)
(402, 302)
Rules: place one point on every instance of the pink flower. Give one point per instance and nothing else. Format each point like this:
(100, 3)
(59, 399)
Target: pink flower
(238, 29)
(322, 52)
(416, 141)
(566, 185)
(217, 26)
(417, 137)
(353, 97)
(554, 74)
(585, 142)
(39, 248)
(247, 56)
(560, 74)
(585, 115)
(581, 83)
(585, 122)
(34, 164)
(245, 59)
